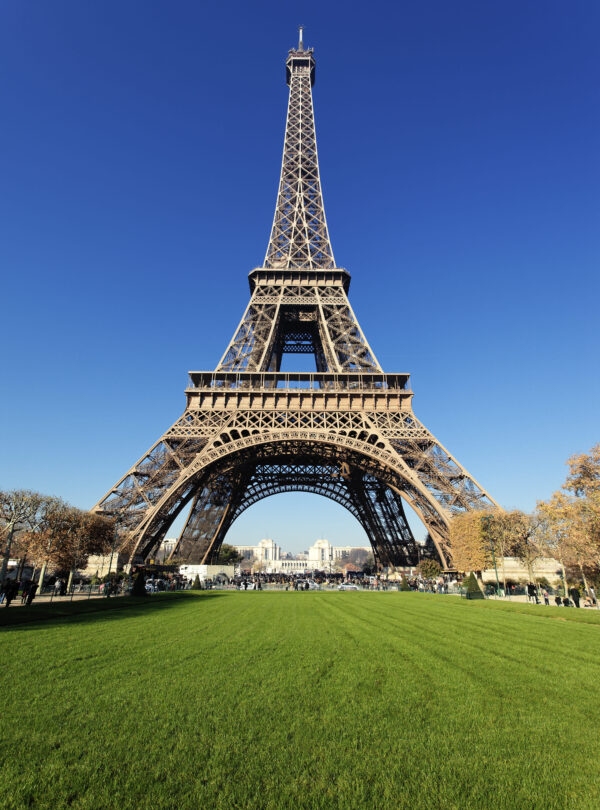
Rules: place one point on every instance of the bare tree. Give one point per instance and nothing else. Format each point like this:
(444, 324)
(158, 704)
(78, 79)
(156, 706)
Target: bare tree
(19, 508)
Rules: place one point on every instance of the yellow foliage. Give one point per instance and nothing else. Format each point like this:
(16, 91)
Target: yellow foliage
(469, 548)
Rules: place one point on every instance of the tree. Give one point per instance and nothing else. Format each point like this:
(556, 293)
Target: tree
(196, 584)
(564, 534)
(369, 566)
(430, 569)
(526, 546)
(228, 555)
(65, 537)
(584, 473)
(358, 556)
(583, 482)
(467, 543)
(19, 509)
(512, 534)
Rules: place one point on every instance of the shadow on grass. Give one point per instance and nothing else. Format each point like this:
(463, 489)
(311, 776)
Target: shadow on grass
(50, 614)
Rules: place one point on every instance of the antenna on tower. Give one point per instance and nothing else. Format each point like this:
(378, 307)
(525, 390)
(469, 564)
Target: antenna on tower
(300, 43)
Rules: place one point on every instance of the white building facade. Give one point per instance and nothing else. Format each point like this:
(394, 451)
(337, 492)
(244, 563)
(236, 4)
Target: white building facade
(321, 556)
(266, 551)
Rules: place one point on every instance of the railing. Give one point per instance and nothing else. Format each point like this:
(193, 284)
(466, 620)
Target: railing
(317, 381)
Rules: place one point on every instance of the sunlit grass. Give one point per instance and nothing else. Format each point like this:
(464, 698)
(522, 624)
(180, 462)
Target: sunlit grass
(277, 700)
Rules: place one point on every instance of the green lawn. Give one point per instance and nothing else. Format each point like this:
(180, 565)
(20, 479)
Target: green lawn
(298, 700)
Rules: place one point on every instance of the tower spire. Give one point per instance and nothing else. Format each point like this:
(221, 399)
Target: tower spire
(299, 236)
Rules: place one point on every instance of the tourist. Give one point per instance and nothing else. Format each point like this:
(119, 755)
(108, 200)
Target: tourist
(557, 600)
(30, 593)
(11, 589)
(574, 594)
(546, 597)
(25, 591)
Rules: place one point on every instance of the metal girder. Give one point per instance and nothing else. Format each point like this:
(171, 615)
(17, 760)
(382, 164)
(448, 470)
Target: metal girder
(373, 504)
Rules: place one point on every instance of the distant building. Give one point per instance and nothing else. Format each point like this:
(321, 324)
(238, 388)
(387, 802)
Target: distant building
(266, 551)
(321, 556)
(165, 549)
(322, 551)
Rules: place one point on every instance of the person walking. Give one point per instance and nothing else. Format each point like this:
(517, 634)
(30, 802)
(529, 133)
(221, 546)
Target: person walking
(546, 597)
(30, 593)
(12, 589)
(25, 591)
(574, 594)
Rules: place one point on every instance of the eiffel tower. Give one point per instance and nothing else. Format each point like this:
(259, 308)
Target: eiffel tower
(346, 431)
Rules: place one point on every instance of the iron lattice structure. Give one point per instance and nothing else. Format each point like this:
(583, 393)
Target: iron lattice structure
(249, 431)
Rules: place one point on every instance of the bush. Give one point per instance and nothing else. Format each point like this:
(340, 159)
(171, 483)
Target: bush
(196, 584)
(471, 587)
(404, 586)
(139, 584)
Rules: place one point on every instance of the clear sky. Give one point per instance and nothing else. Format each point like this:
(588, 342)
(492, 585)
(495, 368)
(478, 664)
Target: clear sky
(141, 146)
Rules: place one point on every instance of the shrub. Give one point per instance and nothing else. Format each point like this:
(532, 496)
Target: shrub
(139, 584)
(196, 583)
(404, 586)
(471, 587)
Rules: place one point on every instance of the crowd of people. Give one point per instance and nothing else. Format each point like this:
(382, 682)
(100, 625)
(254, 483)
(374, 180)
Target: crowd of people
(11, 588)
(150, 583)
(321, 580)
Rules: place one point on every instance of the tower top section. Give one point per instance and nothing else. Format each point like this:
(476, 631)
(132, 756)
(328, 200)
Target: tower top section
(299, 236)
(300, 60)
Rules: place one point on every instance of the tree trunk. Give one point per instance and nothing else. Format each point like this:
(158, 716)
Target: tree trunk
(6, 558)
(42, 575)
(564, 576)
(585, 583)
(532, 578)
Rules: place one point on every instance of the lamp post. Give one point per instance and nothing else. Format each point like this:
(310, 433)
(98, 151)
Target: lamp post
(486, 522)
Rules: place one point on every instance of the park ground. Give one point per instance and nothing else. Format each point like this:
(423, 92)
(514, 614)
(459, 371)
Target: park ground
(303, 700)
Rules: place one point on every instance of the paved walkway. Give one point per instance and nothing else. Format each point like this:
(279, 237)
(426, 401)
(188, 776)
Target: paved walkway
(47, 598)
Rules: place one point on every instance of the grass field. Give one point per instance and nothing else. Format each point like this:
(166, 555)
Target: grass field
(303, 700)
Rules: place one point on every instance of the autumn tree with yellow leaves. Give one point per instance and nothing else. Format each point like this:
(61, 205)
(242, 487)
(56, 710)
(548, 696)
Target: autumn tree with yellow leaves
(570, 520)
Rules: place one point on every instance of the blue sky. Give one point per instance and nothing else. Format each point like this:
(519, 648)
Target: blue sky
(141, 148)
